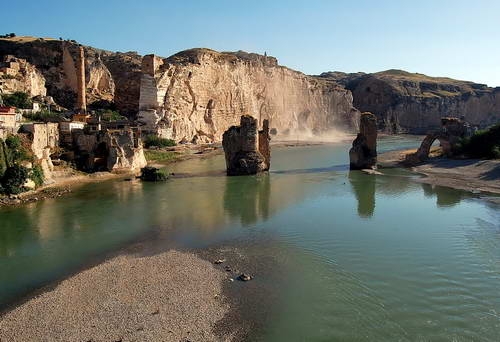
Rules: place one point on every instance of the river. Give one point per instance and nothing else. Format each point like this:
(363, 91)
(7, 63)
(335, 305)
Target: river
(347, 255)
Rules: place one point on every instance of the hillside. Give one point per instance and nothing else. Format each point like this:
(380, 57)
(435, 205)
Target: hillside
(415, 102)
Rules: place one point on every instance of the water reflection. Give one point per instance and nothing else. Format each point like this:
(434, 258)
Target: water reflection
(363, 186)
(394, 183)
(445, 197)
(247, 198)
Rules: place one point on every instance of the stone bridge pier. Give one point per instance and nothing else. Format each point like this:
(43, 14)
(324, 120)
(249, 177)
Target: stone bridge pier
(452, 131)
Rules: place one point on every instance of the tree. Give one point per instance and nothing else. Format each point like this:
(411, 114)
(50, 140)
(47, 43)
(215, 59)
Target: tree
(18, 99)
(14, 178)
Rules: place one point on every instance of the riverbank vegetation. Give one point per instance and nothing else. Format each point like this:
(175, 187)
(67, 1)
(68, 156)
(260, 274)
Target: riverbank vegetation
(483, 144)
(155, 141)
(152, 174)
(161, 156)
(17, 166)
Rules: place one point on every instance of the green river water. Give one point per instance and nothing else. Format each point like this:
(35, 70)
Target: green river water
(353, 257)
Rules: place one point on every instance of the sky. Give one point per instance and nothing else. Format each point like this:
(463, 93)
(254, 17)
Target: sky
(452, 38)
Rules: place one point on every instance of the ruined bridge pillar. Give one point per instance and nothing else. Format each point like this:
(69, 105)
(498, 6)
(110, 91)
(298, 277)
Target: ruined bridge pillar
(246, 149)
(363, 154)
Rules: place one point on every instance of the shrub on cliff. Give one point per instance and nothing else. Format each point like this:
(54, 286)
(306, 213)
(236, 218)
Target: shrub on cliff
(37, 175)
(18, 99)
(43, 115)
(17, 149)
(4, 157)
(152, 174)
(483, 144)
(111, 115)
(13, 179)
(153, 140)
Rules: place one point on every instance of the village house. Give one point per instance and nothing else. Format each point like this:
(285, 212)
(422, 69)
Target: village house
(9, 117)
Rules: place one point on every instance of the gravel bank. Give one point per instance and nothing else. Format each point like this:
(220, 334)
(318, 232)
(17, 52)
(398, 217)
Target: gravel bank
(473, 175)
(469, 174)
(172, 296)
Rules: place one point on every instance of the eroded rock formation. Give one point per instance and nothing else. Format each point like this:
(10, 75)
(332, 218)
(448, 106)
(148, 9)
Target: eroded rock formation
(197, 94)
(16, 74)
(246, 149)
(415, 103)
(363, 154)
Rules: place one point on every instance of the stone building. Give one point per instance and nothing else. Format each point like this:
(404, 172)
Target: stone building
(109, 150)
(44, 139)
(8, 117)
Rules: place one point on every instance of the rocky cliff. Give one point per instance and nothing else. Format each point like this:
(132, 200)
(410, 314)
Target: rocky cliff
(197, 94)
(16, 74)
(416, 103)
(110, 77)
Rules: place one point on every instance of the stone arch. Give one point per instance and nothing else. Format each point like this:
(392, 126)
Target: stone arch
(425, 146)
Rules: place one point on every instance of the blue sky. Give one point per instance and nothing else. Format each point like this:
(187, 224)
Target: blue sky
(454, 38)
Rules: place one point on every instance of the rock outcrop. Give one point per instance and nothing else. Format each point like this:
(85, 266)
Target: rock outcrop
(363, 154)
(197, 94)
(452, 131)
(415, 103)
(105, 71)
(246, 149)
(16, 74)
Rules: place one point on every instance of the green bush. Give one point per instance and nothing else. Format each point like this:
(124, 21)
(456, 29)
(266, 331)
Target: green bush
(43, 115)
(111, 115)
(4, 157)
(152, 174)
(483, 144)
(14, 178)
(18, 99)
(13, 142)
(153, 140)
(17, 151)
(161, 156)
(37, 175)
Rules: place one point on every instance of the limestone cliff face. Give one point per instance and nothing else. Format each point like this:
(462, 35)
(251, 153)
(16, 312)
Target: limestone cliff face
(416, 103)
(16, 74)
(197, 94)
(105, 71)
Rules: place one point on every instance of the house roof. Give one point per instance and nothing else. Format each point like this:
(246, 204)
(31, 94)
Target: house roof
(8, 110)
